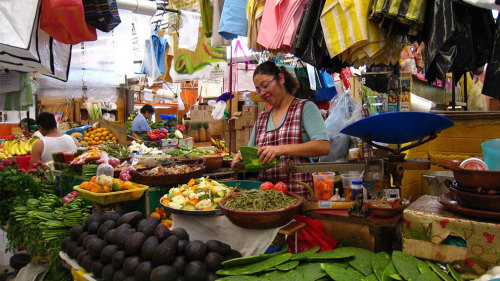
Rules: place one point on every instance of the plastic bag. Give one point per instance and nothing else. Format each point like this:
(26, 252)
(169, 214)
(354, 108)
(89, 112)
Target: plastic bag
(343, 112)
(311, 236)
(492, 77)
(149, 62)
(105, 169)
(477, 101)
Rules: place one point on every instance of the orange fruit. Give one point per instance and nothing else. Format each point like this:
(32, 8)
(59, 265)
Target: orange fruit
(114, 139)
(94, 127)
(156, 215)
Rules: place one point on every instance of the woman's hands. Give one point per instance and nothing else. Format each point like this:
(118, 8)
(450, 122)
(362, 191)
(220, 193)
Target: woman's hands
(236, 159)
(268, 153)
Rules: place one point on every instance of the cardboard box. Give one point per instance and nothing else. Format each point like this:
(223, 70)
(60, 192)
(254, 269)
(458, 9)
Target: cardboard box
(242, 136)
(249, 112)
(240, 123)
(201, 113)
(432, 251)
(216, 129)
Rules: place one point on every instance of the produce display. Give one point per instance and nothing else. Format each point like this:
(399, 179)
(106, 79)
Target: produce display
(220, 146)
(198, 131)
(187, 153)
(16, 147)
(197, 194)
(128, 247)
(171, 170)
(279, 186)
(104, 184)
(94, 136)
(323, 186)
(251, 160)
(136, 147)
(259, 200)
(92, 154)
(114, 150)
(94, 109)
(341, 264)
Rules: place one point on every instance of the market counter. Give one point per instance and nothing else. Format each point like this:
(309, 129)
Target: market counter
(373, 233)
(426, 224)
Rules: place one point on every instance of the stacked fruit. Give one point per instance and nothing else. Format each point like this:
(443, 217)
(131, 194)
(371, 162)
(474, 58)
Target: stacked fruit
(18, 146)
(129, 247)
(4, 154)
(220, 146)
(94, 136)
(104, 184)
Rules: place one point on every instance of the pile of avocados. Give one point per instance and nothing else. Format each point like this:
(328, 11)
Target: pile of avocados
(129, 248)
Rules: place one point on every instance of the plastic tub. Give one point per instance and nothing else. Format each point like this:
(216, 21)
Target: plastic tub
(323, 185)
(491, 154)
(112, 197)
(349, 177)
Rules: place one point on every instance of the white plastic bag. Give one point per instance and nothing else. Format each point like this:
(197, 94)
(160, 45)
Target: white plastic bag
(344, 111)
(477, 101)
(188, 30)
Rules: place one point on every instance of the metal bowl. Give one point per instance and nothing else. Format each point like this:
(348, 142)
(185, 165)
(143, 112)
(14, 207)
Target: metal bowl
(261, 219)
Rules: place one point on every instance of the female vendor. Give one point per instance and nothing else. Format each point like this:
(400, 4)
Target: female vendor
(292, 129)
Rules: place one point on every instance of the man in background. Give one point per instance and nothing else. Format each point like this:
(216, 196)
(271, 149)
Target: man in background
(140, 122)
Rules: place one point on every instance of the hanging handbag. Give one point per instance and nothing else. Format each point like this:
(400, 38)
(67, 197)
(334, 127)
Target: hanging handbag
(327, 90)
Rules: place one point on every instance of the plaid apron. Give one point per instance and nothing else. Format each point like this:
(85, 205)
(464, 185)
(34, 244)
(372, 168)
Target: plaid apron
(288, 133)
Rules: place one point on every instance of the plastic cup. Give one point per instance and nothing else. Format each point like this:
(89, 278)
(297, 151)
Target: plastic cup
(323, 185)
(349, 177)
(491, 154)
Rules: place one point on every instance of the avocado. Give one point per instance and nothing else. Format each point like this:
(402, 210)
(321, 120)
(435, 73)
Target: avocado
(93, 227)
(71, 248)
(124, 235)
(149, 247)
(119, 275)
(118, 231)
(134, 243)
(212, 245)
(108, 237)
(130, 263)
(87, 263)
(180, 264)
(65, 242)
(213, 261)
(75, 232)
(180, 278)
(131, 218)
(181, 233)
(117, 259)
(143, 270)
(107, 272)
(129, 278)
(195, 251)
(162, 232)
(81, 256)
(165, 252)
(195, 271)
(110, 216)
(234, 254)
(77, 252)
(97, 267)
(87, 239)
(82, 236)
(164, 273)
(95, 217)
(105, 227)
(147, 226)
(212, 276)
(108, 252)
(181, 247)
(224, 249)
(95, 246)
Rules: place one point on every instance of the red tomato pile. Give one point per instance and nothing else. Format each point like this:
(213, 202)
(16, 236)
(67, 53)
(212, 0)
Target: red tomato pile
(279, 186)
(157, 134)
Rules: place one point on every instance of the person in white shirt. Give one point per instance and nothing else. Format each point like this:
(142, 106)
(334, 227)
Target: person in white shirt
(52, 140)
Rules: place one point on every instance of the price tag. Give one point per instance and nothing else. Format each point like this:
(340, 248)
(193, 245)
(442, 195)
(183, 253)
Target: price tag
(325, 204)
(391, 194)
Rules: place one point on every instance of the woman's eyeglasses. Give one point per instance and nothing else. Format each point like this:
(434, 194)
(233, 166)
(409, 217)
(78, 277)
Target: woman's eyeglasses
(258, 90)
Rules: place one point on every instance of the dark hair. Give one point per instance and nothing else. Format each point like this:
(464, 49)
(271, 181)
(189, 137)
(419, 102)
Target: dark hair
(147, 108)
(28, 121)
(270, 68)
(46, 120)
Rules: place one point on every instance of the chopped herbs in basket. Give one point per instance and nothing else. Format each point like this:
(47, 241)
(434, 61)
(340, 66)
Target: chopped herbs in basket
(259, 200)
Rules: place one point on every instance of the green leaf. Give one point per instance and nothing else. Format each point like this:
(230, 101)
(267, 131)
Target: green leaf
(380, 263)
(340, 274)
(310, 271)
(406, 265)
(362, 261)
(439, 272)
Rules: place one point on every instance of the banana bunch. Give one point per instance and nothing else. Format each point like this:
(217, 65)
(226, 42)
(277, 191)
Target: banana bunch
(18, 146)
(4, 154)
(220, 145)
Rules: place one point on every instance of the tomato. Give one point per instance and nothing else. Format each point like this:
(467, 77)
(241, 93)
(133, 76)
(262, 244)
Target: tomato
(267, 185)
(162, 135)
(281, 186)
(164, 131)
(156, 131)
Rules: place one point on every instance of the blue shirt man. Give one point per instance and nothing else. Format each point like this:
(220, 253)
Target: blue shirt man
(140, 123)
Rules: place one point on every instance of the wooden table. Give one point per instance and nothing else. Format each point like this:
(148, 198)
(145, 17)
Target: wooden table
(373, 233)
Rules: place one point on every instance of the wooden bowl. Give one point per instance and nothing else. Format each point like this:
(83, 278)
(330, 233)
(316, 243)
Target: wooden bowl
(213, 163)
(387, 212)
(261, 219)
(474, 200)
(167, 180)
(474, 178)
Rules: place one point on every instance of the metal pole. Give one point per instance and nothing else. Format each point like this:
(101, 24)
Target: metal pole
(230, 97)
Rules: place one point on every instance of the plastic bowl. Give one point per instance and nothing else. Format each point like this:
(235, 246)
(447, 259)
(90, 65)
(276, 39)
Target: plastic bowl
(261, 219)
(491, 154)
(348, 178)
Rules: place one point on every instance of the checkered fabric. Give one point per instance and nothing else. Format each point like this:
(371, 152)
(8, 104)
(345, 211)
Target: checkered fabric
(288, 133)
(102, 14)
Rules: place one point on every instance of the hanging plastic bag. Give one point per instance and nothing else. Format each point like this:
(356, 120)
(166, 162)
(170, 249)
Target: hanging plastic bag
(311, 236)
(343, 112)
(476, 100)
(188, 33)
(492, 77)
(150, 63)
(327, 90)
(105, 171)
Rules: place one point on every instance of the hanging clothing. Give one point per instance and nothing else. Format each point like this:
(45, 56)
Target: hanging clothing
(159, 46)
(65, 21)
(169, 56)
(233, 21)
(217, 39)
(492, 76)
(281, 19)
(103, 14)
(288, 133)
(255, 10)
(206, 10)
(21, 99)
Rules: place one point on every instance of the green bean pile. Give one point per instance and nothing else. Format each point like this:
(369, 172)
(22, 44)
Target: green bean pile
(259, 200)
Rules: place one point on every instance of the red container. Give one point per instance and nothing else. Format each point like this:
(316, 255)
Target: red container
(23, 162)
